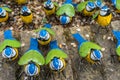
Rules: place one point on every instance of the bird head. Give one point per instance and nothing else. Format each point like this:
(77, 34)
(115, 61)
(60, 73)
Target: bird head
(105, 10)
(48, 5)
(44, 35)
(2, 12)
(98, 3)
(90, 6)
(56, 64)
(25, 11)
(8, 52)
(96, 55)
(31, 69)
(64, 19)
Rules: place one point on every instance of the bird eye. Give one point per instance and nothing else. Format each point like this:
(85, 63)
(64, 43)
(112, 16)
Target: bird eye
(67, 19)
(51, 65)
(47, 36)
(61, 64)
(3, 13)
(103, 13)
(13, 52)
(51, 5)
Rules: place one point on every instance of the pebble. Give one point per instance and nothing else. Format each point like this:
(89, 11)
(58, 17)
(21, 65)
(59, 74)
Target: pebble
(74, 45)
(109, 38)
(87, 35)
(11, 28)
(104, 37)
(23, 44)
(78, 29)
(103, 49)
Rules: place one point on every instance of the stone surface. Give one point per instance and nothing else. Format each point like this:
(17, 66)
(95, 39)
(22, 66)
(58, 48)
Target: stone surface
(75, 69)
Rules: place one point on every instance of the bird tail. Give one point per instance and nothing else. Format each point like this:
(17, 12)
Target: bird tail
(34, 44)
(116, 34)
(47, 25)
(53, 44)
(70, 2)
(8, 34)
(79, 38)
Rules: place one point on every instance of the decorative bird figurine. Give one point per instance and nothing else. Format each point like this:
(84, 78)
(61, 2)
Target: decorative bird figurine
(9, 46)
(45, 34)
(104, 16)
(88, 50)
(87, 8)
(50, 7)
(21, 1)
(116, 4)
(32, 59)
(55, 57)
(26, 15)
(117, 36)
(66, 12)
(3, 15)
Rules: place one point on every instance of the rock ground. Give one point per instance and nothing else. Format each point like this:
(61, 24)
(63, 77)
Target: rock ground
(75, 69)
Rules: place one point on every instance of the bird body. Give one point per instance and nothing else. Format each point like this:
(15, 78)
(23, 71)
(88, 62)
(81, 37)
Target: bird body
(66, 12)
(49, 7)
(88, 13)
(104, 20)
(104, 17)
(55, 57)
(116, 4)
(89, 9)
(88, 50)
(45, 34)
(32, 59)
(117, 36)
(27, 19)
(26, 15)
(9, 46)
(50, 11)
(21, 1)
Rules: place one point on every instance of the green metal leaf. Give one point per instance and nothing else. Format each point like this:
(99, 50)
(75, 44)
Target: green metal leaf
(7, 9)
(55, 53)
(56, 4)
(47, 29)
(118, 51)
(95, 15)
(118, 4)
(81, 6)
(67, 9)
(33, 56)
(11, 43)
(86, 47)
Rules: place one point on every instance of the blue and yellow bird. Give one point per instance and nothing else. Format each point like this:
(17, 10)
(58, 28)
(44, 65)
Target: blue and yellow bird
(88, 8)
(104, 16)
(21, 1)
(49, 7)
(32, 59)
(116, 4)
(45, 34)
(66, 12)
(9, 46)
(117, 37)
(56, 57)
(88, 50)
(3, 15)
(26, 15)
